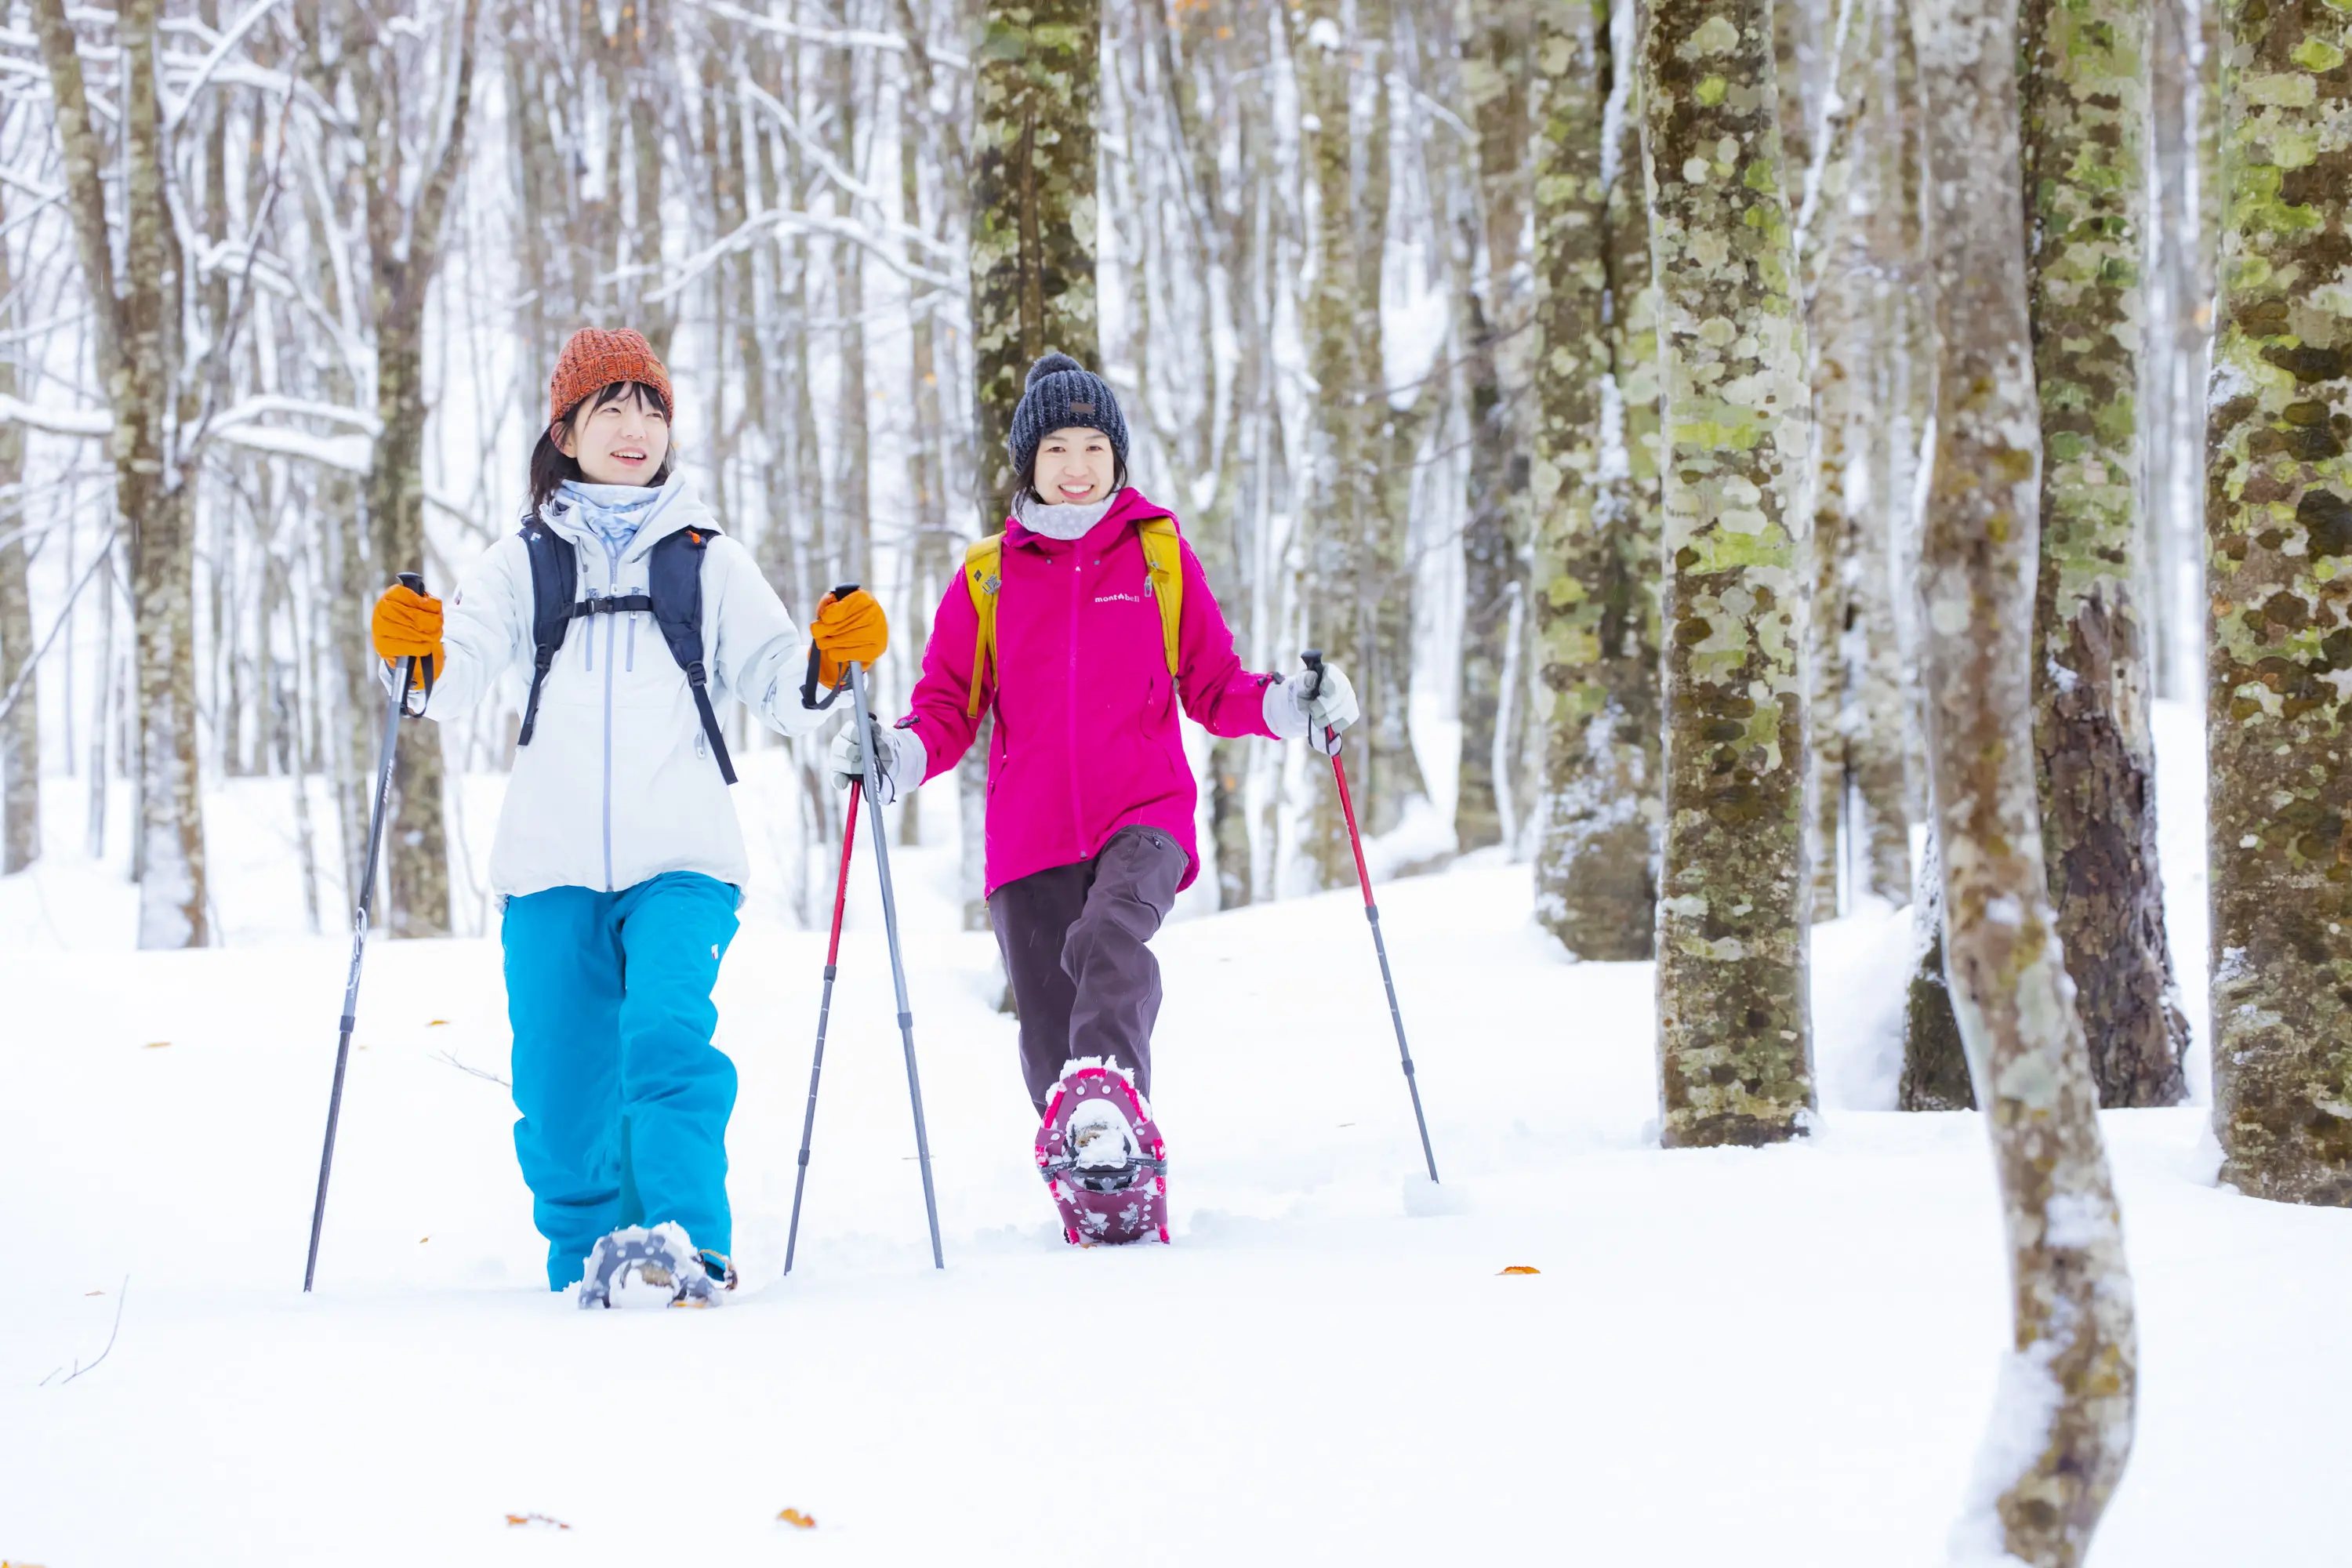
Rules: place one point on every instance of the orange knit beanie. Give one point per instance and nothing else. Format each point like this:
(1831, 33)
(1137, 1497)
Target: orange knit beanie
(594, 359)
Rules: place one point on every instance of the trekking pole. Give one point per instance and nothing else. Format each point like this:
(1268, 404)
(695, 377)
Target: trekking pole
(1313, 659)
(403, 677)
(823, 1016)
(890, 926)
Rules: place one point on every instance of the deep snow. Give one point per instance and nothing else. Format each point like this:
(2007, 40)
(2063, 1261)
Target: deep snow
(1733, 1358)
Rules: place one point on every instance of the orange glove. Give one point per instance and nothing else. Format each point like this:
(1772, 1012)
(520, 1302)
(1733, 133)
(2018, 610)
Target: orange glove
(847, 631)
(407, 624)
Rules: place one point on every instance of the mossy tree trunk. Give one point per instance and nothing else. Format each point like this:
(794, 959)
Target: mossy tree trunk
(1597, 543)
(1358, 603)
(1495, 60)
(2085, 92)
(2279, 516)
(2062, 1428)
(1033, 213)
(412, 163)
(1734, 1036)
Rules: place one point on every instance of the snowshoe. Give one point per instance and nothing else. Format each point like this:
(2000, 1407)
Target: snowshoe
(634, 1267)
(1102, 1158)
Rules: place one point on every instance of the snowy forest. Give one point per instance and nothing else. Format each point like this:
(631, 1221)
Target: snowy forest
(1769, 466)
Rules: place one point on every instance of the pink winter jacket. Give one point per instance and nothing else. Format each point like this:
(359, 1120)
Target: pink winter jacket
(1085, 741)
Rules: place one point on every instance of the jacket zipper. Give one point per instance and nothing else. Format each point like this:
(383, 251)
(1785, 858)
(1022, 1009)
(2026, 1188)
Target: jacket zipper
(612, 577)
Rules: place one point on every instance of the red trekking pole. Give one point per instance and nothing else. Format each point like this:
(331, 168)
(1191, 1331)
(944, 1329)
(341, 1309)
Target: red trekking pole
(823, 1017)
(1313, 658)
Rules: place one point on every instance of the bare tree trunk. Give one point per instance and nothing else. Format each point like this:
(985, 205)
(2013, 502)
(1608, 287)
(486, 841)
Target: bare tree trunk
(2085, 102)
(138, 333)
(2278, 510)
(405, 240)
(20, 732)
(1596, 607)
(1358, 585)
(1935, 1060)
(1734, 1025)
(1494, 70)
(1033, 213)
(2062, 1429)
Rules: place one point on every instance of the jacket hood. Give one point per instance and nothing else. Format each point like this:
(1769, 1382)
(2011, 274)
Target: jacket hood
(1130, 505)
(678, 507)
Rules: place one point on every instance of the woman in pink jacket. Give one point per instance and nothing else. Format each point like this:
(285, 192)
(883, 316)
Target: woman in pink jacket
(1090, 799)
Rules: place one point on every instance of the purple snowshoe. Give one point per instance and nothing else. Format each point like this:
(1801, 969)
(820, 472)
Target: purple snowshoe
(1101, 1155)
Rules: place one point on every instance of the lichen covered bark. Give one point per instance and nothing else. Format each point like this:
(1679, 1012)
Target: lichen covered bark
(2085, 97)
(1596, 546)
(1360, 610)
(2062, 1428)
(1494, 76)
(1735, 1046)
(1032, 212)
(2279, 521)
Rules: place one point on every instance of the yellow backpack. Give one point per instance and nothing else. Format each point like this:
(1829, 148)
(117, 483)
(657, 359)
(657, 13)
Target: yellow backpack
(983, 573)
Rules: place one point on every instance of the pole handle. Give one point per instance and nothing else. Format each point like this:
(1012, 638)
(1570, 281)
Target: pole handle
(808, 685)
(415, 583)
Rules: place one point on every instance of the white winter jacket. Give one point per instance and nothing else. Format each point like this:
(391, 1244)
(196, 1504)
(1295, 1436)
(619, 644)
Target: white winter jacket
(618, 784)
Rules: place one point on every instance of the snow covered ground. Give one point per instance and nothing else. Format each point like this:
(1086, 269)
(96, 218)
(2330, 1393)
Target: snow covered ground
(1729, 1359)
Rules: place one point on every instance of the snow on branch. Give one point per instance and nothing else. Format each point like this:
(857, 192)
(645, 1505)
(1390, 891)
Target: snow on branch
(832, 38)
(174, 112)
(808, 223)
(56, 421)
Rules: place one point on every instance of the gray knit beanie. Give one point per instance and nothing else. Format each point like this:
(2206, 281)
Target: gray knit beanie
(1062, 394)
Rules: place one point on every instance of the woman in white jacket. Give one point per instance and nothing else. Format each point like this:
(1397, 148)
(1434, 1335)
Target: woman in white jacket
(618, 858)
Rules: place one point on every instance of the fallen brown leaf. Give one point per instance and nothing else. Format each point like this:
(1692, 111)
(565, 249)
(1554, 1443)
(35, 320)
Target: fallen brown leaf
(797, 1520)
(1521, 1268)
(515, 1518)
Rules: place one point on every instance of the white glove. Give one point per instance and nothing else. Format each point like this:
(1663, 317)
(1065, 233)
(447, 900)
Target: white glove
(899, 759)
(1290, 714)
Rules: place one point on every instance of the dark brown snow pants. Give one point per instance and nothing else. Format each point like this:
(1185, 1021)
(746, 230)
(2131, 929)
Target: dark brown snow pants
(1073, 939)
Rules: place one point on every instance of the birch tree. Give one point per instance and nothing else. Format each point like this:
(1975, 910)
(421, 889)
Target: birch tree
(1735, 1041)
(2279, 514)
(2063, 1425)
(137, 312)
(1597, 542)
(2086, 99)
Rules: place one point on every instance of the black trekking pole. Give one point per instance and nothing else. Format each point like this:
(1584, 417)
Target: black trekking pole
(1313, 658)
(403, 677)
(873, 790)
(823, 1017)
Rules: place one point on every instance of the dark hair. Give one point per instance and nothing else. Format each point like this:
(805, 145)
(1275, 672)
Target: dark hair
(1028, 487)
(550, 465)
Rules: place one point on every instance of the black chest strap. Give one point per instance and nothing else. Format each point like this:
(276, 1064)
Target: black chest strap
(673, 596)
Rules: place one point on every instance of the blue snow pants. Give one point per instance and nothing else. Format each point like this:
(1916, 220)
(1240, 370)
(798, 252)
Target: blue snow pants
(624, 1099)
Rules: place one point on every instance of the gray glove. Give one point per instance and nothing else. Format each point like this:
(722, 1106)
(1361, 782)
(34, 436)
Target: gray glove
(1290, 714)
(899, 759)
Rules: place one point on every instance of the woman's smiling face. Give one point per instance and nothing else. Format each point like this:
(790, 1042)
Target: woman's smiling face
(1075, 467)
(622, 442)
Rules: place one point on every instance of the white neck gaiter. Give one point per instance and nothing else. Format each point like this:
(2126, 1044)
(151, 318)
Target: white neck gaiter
(1059, 521)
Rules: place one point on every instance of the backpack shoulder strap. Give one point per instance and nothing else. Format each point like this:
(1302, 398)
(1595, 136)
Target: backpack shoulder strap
(674, 582)
(1163, 559)
(983, 574)
(554, 580)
